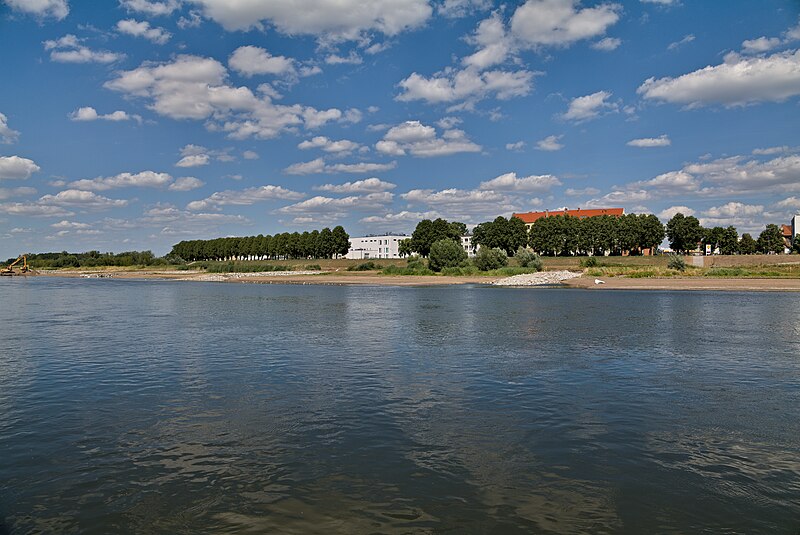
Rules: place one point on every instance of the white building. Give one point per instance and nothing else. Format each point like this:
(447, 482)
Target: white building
(384, 246)
(469, 247)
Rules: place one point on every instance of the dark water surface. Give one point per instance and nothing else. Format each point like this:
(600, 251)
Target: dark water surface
(174, 407)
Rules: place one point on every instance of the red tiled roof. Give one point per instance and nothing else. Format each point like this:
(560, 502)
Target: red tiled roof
(786, 230)
(530, 217)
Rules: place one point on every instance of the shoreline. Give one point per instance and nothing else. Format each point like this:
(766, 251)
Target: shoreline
(375, 279)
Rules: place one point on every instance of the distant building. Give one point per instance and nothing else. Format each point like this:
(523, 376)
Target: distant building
(530, 217)
(795, 227)
(375, 246)
(787, 232)
(469, 247)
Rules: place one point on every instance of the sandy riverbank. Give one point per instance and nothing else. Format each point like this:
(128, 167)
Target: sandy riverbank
(364, 278)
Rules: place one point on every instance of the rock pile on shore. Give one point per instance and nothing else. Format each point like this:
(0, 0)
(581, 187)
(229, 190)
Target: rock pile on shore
(543, 278)
(234, 276)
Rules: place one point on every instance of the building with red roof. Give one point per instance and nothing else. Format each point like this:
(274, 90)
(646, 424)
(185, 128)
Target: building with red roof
(529, 217)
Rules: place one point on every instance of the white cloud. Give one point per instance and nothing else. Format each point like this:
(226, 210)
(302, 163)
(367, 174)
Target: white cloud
(669, 213)
(661, 2)
(737, 81)
(15, 167)
(550, 143)
(194, 160)
(417, 139)
(144, 179)
(510, 182)
(560, 22)
(461, 8)
(342, 146)
(7, 135)
(619, 197)
(193, 87)
(791, 203)
(733, 209)
(57, 9)
(252, 60)
(87, 113)
(186, 183)
(244, 197)
(649, 142)
(81, 199)
(70, 225)
(363, 167)
(589, 107)
(330, 19)
(306, 168)
(33, 209)
(369, 185)
(339, 206)
(494, 45)
(607, 44)
(677, 44)
(452, 85)
(142, 29)
(250, 155)
(672, 182)
(516, 146)
(351, 59)
(68, 49)
(572, 192)
(9, 193)
(762, 44)
(772, 150)
(150, 7)
(464, 205)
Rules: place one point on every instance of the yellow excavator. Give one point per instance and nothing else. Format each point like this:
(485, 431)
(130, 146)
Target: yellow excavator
(9, 270)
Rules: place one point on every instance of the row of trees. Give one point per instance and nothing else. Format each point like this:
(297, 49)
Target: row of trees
(325, 243)
(429, 232)
(92, 259)
(685, 233)
(571, 236)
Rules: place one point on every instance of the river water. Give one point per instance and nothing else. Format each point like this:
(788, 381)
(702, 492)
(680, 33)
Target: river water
(178, 407)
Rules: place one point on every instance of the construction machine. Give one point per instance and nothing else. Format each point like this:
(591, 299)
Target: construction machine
(9, 270)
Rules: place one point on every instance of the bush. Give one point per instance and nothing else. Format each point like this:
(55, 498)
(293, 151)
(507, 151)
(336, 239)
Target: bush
(590, 262)
(313, 267)
(418, 269)
(416, 263)
(487, 259)
(529, 259)
(365, 266)
(446, 253)
(676, 262)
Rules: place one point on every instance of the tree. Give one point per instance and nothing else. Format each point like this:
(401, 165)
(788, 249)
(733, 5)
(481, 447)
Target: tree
(651, 231)
(446, 253)
(796, 244)
(771, 240)
(341, 241)
(487, 259)
(427, 232)
(747, 245)
(684, 232)
(506, 234)
(404, 247)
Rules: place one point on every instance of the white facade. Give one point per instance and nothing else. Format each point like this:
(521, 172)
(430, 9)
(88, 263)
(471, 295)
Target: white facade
(386, 246)
(795, 227)
(469, 247)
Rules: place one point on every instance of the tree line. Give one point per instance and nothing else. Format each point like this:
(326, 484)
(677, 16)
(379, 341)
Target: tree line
(685, 233)
(93, 259)
(325, 243)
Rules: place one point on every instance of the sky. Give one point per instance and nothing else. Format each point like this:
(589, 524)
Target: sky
(135, 124)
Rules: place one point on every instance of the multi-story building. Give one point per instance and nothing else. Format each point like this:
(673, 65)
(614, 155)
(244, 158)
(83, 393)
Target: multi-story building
(388, 246)
(375, 246)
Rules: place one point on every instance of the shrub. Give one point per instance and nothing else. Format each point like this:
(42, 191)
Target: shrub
(529, 259)
(418, 269)
(446, 253)
(365, 266)
(676, 262)
(416, 262)
(487, 259)
(313, 267)
(590, 262)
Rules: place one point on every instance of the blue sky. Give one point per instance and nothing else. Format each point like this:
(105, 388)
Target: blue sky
(139, 123)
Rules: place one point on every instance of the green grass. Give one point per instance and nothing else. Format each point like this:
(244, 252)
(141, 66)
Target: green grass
(366, 266)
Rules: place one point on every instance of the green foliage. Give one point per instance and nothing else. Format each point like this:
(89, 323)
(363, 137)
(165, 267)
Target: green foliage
(326, 243)
(684, 233)
(428, 232)
(313, 267)
(796, 244)
(94, 259)
(771, 240)
(527, 258)
(676, 262)
(404, 247)
(747, 245)
(365, 266)
(418, 268)
(487, 259)
(446, 253)
(502, 233)
(238, 267)
(590, 262)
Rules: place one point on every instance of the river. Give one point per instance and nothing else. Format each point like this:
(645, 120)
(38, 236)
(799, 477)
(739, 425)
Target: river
(182, 407)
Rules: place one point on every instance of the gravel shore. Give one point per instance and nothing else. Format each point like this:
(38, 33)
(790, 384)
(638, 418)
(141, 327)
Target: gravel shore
(543, 278)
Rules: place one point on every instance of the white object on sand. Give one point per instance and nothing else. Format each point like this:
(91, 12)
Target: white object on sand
(598, 281)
